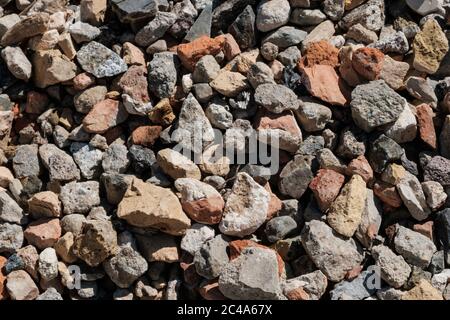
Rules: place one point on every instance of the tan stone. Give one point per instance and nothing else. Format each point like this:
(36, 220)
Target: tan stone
(30, 26)
(3, 291)
(43, 233)
(158, 247)
(63, 247)
(346, 211)
(44, 204)
(5, 177)
(93, 11)
(177, 165)
(132, 55)
(214, 162)
(66, 44)
(394, 72)
(162, 113)
(147, 205)
(104, 115)
(423, 291)
(229, 83)
(52, 67)
(20, 286)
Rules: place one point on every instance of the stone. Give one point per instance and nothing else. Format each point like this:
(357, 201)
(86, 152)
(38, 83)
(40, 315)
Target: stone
(252, 275)
(125, 267)
(437, 169)
(260, 73)
(321, 52)
(393, 268)
(129, 11)
(272, 14)
(145, 135)
(132, 55)
(48, 264)
(330, 253)
(146, 205)
(52, 67)
(206, 69)
(7, 22)
(195, 237)
(93, 11)
(323, 31)
(159, 247)
(306, 17)
(116, 159)
(323, 82)
(404, 129)
(422, 291)
(11, 237)
(416, 248)
(370, 220)
(64, 246)
(434, 193)
(245, 208)
(80, 197)
(51, 294)
(96, 242)
(394, 72)
(44, 204)
(191, 52)
(155, 29)
(413, 197)
(212, 257)
(368, 62)
(370, 15)
(104, 115)
(276, 98)
(444, 138)
(200, 201)
(83, 32)
(383, 151)
(295, 177)
(243, 28)
(313, 116)
(100, 61)
(219, 116)
(21, 286)
(429, 47)
(86, 100)
(279, 227)
(89, 159)
(59, 164)
(162, 76)
(17, 62)
(326, 186)
(425, 123)
(10, 211)
(43, 233)
(375, 104)
(357, 289)
(176, 165)
(229, 83)
(310, 286)
(26, 28)
(286, 37)
(424, 7)
(361, 34)
(201, 26)
(26, 161)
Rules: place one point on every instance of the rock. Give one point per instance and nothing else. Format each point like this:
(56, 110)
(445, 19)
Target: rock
(423, 7)
(326, 186)
(176, 165)
(272, 14)
(429, 46)
(444, 138)
(50, 295)
(26, 161)
(159, 247)
(100, 61)
(361, 34)
(83, 32)
(11, 237)
(44, 204)
(323, 31)
(10, 211)
(394, 72)
(434, 193)
(206, 69)
(219, 116)
(193, 131)
(332, 255)
(64, 246)
(7, 22)
(383, 151)
(279, 227)
(243, 28)
(370, 220)
(191, 52)
(413, 197)
(80, 197)
(438, 169)
(368, 62)
(17, 62)
(313, 116)
(26, 28)
(346, 210)
(370, 15)
(321, 52)
(315, 78)
(43, 233)
(162, 113)
(404, 129)
(195, 237)
(60, 165)
(200, 201)
(132, 55)
(393, 269)
(86, 100)
(155, 29)
(245, 208)
(310, 286)
(146, 205)
(52, 67)
(252, 275)
(212, 257)
(286, 37)
(307, 17)
(229, 83)
(20, 286)
(145, 135)
(375, 104)
(104, 115)
(423, 291)
(358, 289)
(88, 159)
(129, 11)
(276, 98)
(93, 11)
(416, 248)
(48, 264)
(125, 267)
(115, 159)
(201, 26)
(295, 177)
(425, 123)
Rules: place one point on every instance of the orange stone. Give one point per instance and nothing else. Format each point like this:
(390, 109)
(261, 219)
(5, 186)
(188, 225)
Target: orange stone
(368, 62)
(190, 53)
(284, 121)
(104, 115)
(3, 292)
(426, 126)
(146, 135)
(353, 273)
(210, 291)
(321, 52)
(323, 82)
(237, 246)
(387, 194)
(297, 294)
(326, 186)
(360, 166)
(207, 210)
(425, 228)
(43, 233)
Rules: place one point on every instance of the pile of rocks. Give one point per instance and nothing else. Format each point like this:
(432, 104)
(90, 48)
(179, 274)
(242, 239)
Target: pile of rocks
(113, 119)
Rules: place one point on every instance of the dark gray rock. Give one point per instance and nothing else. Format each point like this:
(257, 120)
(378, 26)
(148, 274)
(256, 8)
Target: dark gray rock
(279, 227)
(162, 75)
(212, 257)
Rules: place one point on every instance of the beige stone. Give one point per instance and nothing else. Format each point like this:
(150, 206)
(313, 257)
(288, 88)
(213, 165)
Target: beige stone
(229, 83)
(177, 165)
(44, 204)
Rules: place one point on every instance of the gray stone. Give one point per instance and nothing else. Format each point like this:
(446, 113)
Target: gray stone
(313, 116)
(307, 17)
(162, 75)
(155, 29)
(125, 267)
(290, 56)
(323, 31)
(357, 289)
(279, 227)
(421, 89)
(88, 159)
(375, 104)
(276, 98)
(11, 237)
(370, 15)
(260, 73)
(444, 138)
(26, 161)
(212, 257)
(80, 197)
(6, 22)
(86, 100)
(330, 253)
(219, 116)
(393, 268)
(206, 69)
(186, 13)
(350, 145)
(48, 264)
(272, 14)
(195, 237)
(252, 275)
(59, 164)
(438, 169)
(334, 9)
(314, 284)
(404, 129)
(73, 223)
(411, 192)
(416, 248)
(295, 177)
(83, 32)
(286, 37)
(269, 51)
(424, 7)
(100, 61)
(116, 158)
(434, 193)
(383, 151)
(17, 62)
(243, 28)
(51, 294)
(394, 43)
(130, 11)
(201, 26)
